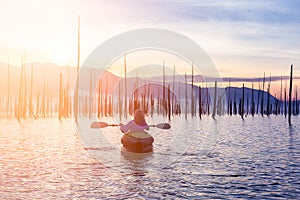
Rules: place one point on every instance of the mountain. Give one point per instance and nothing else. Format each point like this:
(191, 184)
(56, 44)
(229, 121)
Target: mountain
(42, 72)
(50, 74)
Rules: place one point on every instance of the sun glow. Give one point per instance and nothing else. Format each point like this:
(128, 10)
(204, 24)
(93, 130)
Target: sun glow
(63, 57)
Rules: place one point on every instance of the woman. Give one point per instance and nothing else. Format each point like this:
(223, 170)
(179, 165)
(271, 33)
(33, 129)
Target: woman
(135, 138)
(138, 124)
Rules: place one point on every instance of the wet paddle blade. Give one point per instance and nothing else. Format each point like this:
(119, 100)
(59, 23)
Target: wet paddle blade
(163, 126)
(99, 125)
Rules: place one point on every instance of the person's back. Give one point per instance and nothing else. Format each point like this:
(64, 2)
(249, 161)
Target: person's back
(131, 126)
(138, 124)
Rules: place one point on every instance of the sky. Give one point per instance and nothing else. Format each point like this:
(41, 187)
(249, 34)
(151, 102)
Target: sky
(243, 38)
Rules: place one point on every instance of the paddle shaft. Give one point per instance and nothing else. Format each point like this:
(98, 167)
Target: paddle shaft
(104, 124)
(152, 125)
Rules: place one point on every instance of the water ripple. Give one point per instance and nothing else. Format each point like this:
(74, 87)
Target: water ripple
(258, 158)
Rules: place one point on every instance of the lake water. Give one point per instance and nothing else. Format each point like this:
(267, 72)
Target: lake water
(227, 158)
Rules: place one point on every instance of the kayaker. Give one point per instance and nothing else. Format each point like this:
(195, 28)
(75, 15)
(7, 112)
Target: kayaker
(138, 124)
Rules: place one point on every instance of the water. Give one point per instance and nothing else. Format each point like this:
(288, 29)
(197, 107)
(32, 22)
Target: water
(255, 158)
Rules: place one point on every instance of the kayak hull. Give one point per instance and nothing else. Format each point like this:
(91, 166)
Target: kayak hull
(138, 142)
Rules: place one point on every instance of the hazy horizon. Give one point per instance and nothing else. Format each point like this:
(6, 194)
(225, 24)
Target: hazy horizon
(50, 74)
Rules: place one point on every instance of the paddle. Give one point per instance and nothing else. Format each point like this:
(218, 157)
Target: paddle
(104, 124)
(161, 126)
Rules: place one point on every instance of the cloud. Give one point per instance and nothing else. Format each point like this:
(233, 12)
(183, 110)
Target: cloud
(241, 11)
(256, 34)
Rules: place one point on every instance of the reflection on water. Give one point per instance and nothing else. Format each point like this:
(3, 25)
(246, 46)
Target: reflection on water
(257, 157)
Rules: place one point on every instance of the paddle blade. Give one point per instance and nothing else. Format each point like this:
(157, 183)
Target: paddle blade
(99, 125)
(163, 126)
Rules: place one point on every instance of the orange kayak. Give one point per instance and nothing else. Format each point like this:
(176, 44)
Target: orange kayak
(138, 142)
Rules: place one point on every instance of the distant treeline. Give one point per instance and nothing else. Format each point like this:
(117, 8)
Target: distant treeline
(112, 95)
(153, 98)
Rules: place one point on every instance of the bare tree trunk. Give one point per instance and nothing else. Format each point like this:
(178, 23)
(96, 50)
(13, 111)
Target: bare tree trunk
(290, 96)
(37, 104)
(258, 97)
(51, 109)
(179, 97)
(296, 99)
(60, 98)
(268, 100)
(192, 93)
(285, 103)
(280, 105)
(252, 102)
(229, 99)
(169, 103)
(99, 99)
(262, 98)
(200, 103)
(173, 96)
(186, 100)
(76, 93)
(242, 101)
(30, 96)
(119, 101)
(91, 94)
(44, 100)
(106, 97)
(125, 88)
(186, 103)
(20, 103)
(215, 101)
(24, 106)
(164, 89)
(8, 90)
